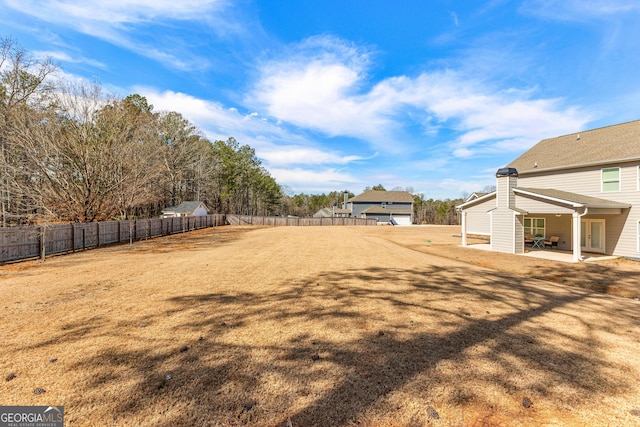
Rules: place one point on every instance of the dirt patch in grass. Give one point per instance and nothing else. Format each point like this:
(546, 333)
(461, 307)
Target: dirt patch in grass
(314, 326)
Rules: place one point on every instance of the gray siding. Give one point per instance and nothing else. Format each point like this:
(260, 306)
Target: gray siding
(478, 218)
(519, 234)
(534, 205)
(359, 207)
(502, 230)
(505, 197)
(621, 231)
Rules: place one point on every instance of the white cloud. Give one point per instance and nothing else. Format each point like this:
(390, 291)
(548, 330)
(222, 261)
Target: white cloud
(318, 86)
(298, 155)
(122, 23)
(327, 92)
(489, 121)
(312, 180)
(274, 144)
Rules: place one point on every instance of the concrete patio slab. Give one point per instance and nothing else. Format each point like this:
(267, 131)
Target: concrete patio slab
(552, 255)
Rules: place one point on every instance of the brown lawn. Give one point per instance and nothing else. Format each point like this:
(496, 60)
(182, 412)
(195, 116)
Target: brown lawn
(321, 326)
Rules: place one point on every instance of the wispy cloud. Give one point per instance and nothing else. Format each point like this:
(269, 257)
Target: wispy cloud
(579, 10)
(59, 56)
(454, 17)
(299, 155)
(124, 23)
(315, 181)
(116, 13)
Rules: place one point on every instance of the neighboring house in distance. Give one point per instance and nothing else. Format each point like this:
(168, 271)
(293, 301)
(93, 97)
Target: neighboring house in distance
(583, 188)
(387, 207)
(332, 212)
(185, 209)
(392, 207)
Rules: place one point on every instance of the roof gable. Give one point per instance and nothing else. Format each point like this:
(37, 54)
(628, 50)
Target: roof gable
(375, 196)
(609, 144)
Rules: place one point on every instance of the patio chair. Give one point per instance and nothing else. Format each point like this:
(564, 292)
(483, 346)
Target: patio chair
(552, 242)
(528, 239)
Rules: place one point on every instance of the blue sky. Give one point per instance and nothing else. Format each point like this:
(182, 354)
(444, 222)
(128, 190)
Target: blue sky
(341, 94)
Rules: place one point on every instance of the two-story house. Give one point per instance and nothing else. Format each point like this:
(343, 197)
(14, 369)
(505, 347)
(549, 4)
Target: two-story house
(392, 207)
(583, 188)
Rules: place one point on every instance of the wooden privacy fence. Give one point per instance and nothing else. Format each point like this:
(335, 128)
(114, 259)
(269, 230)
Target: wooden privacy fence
(288, 221)
(18, 243)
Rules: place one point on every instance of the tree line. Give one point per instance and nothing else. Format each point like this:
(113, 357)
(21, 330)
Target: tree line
(70, 152)
(425, 211)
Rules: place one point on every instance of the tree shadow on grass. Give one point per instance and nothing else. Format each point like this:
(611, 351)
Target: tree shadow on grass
(348, 342)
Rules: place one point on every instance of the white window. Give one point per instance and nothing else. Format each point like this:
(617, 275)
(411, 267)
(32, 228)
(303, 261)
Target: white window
(534, 226)
(610, 180)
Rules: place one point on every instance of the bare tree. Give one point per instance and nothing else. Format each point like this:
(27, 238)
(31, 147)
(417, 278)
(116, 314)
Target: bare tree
(180, 149)
(128, 128)
(23, 82)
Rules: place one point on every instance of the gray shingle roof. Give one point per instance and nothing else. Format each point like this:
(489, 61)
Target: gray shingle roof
(609, 144)
(375, 196)
(574, 198)
(184, 207)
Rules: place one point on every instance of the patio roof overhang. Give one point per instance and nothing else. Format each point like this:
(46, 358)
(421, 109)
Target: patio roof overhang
(559, 202)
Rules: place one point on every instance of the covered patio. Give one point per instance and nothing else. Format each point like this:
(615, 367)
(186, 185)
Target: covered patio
(552, 255)
(584, 224)
(584, 227)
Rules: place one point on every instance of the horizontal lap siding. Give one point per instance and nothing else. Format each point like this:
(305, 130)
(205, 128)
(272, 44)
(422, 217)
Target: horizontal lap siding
(502, 232)
(621, 231)
(478, 218)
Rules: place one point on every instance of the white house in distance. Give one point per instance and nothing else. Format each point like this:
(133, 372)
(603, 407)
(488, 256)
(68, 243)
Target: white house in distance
(583, 188)
(185, 209)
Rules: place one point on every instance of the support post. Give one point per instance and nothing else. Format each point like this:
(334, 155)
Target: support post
(576, 237)
(464, 228)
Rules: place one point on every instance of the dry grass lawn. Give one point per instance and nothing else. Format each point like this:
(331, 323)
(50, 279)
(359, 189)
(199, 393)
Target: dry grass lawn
(321, 326)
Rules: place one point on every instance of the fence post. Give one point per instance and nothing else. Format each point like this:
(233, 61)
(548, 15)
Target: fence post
(83, 239)
(97, 234)
(73, 237)
(42, 243)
